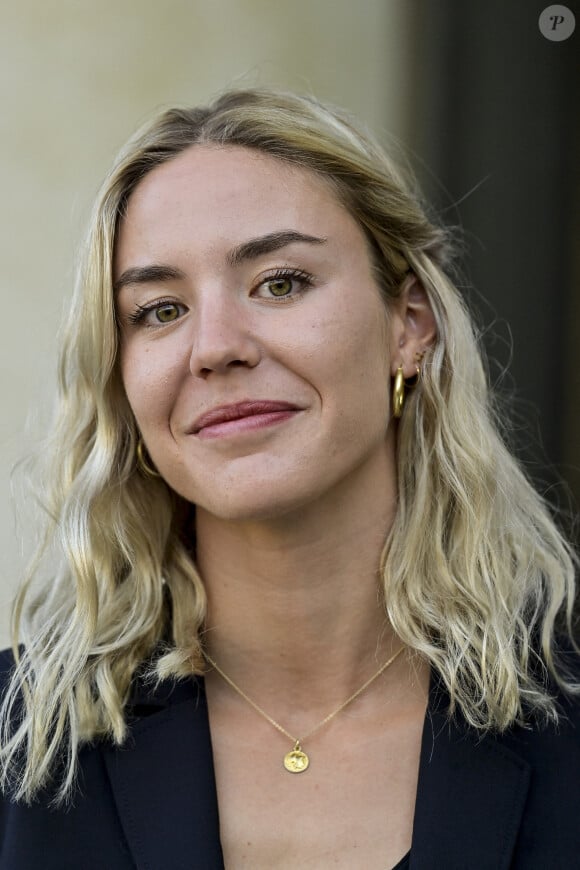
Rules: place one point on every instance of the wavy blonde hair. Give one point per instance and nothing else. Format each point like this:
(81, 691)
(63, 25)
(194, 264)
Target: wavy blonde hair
(475, 572)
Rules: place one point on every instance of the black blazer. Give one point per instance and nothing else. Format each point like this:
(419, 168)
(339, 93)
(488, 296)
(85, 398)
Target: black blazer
(483, 803)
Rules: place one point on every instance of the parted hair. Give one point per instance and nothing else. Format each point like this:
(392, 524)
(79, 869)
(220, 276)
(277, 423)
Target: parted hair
(476, 575)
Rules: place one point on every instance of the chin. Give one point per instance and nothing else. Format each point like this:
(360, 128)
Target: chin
(255, 508)
(251, 488)
(257, 500)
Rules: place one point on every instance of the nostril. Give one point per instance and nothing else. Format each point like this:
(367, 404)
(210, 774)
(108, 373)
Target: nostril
(221, 352)
(235, 363)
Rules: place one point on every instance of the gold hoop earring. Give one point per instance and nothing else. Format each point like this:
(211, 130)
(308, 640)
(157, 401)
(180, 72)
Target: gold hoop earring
(401, 383)
(398, 393)
(142, 462)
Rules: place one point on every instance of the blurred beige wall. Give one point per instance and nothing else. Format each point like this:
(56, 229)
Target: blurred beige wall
(76, 79)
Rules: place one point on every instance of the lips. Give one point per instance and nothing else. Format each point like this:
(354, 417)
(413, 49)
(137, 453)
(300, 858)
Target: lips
(240, 411)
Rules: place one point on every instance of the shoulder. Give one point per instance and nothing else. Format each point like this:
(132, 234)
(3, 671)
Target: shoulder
(87, 831)
(489, 799)
(545, 750)
(557, 743)
(538, 738)
(126, 798)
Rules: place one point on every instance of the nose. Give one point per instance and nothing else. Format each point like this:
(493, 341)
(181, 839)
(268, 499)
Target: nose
(224, 338)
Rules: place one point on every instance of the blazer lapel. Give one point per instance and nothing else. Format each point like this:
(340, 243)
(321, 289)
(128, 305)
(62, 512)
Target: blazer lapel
(470, 797)
(163, 780)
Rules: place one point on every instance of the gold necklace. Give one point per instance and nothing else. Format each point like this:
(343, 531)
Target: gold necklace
(297, 761)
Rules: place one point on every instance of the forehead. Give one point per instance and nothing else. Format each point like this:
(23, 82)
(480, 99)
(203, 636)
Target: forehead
(209, 193)
(224, 171)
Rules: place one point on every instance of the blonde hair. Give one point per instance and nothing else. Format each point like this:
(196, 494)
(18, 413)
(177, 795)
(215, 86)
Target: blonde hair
(475, 572)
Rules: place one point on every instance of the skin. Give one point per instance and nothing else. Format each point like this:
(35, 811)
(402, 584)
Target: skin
(290, 517)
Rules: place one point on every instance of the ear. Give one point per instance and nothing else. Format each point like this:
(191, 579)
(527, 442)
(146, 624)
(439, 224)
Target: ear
(413, 327)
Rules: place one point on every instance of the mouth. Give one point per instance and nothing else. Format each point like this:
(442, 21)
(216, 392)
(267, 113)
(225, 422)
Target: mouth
(244, 416)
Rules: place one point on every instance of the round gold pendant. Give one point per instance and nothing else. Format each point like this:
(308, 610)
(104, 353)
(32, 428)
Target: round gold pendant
(296, 761)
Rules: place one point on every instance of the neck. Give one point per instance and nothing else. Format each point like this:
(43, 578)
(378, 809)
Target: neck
(295, 604)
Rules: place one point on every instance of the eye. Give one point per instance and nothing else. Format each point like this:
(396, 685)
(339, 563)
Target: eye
(167, 312)
(279, 286)
(157, 313)
(283, 284)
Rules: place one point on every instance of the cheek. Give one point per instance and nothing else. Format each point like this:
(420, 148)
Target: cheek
(370, 370)
(147, 384)
(348, 366)
(355, 349)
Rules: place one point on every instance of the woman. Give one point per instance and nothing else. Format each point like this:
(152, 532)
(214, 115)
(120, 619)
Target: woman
(306, 607)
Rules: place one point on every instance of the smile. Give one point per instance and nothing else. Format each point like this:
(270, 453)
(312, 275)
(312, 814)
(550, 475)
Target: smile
(242, 417)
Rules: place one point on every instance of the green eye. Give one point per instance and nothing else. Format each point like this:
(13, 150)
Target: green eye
(280, 286)
(167, 312)
(285, 284)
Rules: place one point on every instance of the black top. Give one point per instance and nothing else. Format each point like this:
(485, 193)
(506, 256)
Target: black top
(403, 864)
(484, 801)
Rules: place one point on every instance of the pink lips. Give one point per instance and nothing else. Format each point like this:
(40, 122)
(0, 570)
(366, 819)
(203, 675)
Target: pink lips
(242, 417)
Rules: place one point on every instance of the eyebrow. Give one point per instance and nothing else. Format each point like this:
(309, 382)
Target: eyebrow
(147, 275)
(249, 250)
(267, 244)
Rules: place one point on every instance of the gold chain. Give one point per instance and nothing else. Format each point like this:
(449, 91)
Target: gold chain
(297, 761)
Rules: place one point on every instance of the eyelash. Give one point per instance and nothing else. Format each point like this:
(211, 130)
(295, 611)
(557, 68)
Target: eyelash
(304, 279)
(142, 311)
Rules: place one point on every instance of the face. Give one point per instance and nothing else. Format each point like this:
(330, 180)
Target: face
(255, 348)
